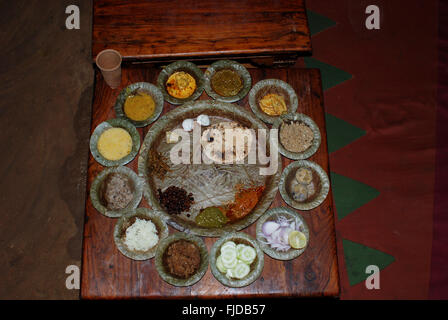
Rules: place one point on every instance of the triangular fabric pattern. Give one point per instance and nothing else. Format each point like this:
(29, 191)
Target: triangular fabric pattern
(358, 257)
(340, 133)
(318, 22)
(331, 76)
(350, 194)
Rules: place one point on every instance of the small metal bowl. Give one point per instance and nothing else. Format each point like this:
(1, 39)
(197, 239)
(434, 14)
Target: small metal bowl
(146, 87)
(268, 86)
(234, 66)
(185, 66)
(168, 277)
(114, 123)
(298, 117)
(126, 221)
(98, 184)
(274, 214)
(255, 268)
(320, 178)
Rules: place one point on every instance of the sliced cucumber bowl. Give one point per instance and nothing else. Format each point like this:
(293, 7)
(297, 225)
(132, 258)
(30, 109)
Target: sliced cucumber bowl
(236, 260)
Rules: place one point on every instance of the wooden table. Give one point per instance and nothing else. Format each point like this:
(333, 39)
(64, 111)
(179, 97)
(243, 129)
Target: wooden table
(106, 273)
(269, 32)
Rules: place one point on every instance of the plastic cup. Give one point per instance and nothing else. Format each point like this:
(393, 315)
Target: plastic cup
(109, 62)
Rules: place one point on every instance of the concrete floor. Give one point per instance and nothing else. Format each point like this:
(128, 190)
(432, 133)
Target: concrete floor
(46, 80)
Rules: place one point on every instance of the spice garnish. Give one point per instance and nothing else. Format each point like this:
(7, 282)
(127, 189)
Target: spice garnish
(157, 164)
(175, 200)
(296, 136)
(245, 201)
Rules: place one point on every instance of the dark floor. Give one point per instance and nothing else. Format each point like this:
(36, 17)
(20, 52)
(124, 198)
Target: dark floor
(46, 87)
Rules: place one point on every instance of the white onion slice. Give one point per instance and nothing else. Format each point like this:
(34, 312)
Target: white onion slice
(269, 227)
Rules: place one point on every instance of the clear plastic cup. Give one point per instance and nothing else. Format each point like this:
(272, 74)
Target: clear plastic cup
(109, 62)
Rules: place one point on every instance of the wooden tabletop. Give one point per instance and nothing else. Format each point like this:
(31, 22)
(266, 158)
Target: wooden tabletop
(162, 30)
(106, 273)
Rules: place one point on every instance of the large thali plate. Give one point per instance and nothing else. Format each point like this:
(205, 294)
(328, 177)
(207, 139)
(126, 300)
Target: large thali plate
(211, 184)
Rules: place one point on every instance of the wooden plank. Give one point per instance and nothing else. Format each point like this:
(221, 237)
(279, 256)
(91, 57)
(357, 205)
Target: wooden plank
(145, 30)
(108, 274)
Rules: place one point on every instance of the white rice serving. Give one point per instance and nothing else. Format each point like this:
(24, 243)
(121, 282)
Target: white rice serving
(141, 235)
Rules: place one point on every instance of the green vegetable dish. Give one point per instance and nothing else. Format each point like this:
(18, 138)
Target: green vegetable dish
(211, 217)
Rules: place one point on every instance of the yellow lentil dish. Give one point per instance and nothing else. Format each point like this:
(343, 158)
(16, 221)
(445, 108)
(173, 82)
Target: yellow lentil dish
(139, 107)
(114, 144)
